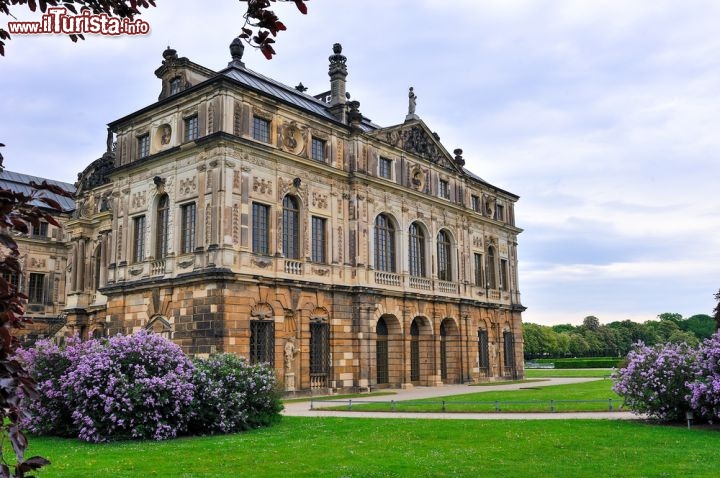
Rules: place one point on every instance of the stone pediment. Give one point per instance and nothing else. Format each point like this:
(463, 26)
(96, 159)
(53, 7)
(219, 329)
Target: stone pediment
(415, 138)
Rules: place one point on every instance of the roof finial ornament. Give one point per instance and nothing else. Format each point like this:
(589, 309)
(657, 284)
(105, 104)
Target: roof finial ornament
(169, 55)
(236, 52)
(412, 101)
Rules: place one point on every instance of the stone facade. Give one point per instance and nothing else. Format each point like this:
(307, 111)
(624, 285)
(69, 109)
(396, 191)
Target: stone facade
(43, 257)
(240, 215)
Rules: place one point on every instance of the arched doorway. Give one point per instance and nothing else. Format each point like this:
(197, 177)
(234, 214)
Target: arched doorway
(388, 352)
(422, 357)
(381, 352)
(449, 352)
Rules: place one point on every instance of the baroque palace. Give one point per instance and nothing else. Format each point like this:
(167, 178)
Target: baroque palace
(237, 214)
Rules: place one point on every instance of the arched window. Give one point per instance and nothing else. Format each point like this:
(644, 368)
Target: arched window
(161, 232)
(291, 228)
(444, 251)
(490, 269)
(384, 244)
(416, 251)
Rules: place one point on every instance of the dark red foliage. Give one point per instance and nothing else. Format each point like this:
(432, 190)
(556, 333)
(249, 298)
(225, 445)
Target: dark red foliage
(16, 211)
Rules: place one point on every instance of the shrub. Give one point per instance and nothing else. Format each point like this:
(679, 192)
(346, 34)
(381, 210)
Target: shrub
(705, 388)
(135, 386)
(232, 395)
(50, 412)
(655, 381)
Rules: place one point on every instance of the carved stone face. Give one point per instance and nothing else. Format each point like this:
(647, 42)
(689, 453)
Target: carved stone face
(417, 178)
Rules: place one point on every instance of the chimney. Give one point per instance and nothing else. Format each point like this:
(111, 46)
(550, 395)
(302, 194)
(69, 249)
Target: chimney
(337, 73)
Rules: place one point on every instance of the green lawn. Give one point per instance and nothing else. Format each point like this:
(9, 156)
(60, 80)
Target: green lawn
(569, 372)
(591, 396)
(348, 447)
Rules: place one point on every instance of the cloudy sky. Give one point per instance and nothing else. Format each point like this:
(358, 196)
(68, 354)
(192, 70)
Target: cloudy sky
(604, 116)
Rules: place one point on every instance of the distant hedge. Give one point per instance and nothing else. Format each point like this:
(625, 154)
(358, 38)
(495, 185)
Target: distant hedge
(593, 362)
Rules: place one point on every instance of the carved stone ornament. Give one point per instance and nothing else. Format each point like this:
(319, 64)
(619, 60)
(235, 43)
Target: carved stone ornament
(319, 200)
(262, 186)
(292, 138)
(188, 185)
(417, 178)
(185, 264)
(261, 263)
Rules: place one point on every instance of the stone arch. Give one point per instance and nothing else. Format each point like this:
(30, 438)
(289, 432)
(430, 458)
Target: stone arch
(388, 344)
(422, 354)
(450, 351)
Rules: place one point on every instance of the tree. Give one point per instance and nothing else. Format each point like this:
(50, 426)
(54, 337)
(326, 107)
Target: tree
(674, 317)
(702, 325)
(261, 24)
(17, 210)
(591, 322)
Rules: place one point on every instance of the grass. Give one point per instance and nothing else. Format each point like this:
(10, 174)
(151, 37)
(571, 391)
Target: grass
(568, 372)
(592, 396)
(337, 397)
(349, 447)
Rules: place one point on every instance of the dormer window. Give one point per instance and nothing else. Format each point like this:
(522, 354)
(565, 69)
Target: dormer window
(175, 85)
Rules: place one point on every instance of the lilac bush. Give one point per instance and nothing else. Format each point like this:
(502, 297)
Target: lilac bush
(142, 386)
(233, 395)
(135, 386)
(655, 381)
(50, 413)
(705, 388)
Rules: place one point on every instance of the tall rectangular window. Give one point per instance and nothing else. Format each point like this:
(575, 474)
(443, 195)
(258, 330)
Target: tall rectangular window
(191, 128)
(504, 274)
(138, 239)
(262, 341)
(479, 276)
(318, 239)
(187, 234)
(261, 129)
(319, 349)
(444, 189)
(385, 168)
(40, 231)
(36, 288)
(12, 278)
(260, 232)
(475, 203)
(143, 146)
(499, 212)
(317, 149)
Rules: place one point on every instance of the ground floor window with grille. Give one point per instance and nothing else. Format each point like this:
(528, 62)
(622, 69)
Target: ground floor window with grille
(509, 356)
(262, 341)
(319, 354)
(483, 353)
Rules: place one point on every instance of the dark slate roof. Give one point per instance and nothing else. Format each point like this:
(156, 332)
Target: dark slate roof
(286, 94)
(19, 182)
